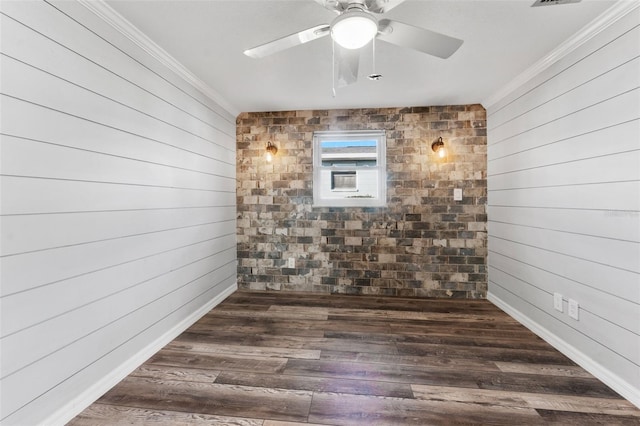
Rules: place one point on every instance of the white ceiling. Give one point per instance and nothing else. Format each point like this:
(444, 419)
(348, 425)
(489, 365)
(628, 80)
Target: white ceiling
(502, 38)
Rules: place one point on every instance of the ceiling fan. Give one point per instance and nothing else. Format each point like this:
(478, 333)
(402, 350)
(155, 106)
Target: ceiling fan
(354, 27)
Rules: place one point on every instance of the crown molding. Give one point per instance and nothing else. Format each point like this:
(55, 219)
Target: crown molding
(101, 9)
(606, 19)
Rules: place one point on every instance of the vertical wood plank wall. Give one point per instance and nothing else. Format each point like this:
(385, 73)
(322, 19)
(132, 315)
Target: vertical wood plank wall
(564, 203)
(118, 207)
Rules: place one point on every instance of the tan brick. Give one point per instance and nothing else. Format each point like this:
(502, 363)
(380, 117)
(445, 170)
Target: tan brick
(353, 241)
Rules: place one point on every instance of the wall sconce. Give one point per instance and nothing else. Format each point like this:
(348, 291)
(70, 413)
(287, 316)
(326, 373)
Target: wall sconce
(438, 148)
(271, 151)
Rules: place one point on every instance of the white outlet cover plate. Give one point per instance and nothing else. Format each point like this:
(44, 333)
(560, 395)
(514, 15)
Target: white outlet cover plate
(457, 194)
(574, 308)
(557, 301)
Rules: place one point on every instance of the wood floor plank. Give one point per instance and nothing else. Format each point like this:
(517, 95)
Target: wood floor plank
(317, 384)
(568, 418)
(556, 385)
(548, 356)
(383, 314)
(398, 323)
(217, 362)
(243, 326)
(578, 404)
(185, 374)
(238, 333)
(443, 322)
(460, 330)
(243, 307)
(218, 320)
(212, 335)
(344, 409)
(543, 369)
(315, 343)
(283, 359)
(279, 312)
(113, 415)
(380, 372)
(212, 399)
(305, 312)
(242, 350)
(444, 338)
(359, 326)
(408, 360)
(473, 396)
(481, 341)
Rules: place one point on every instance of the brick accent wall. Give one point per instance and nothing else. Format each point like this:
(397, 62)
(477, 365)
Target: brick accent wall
(422, 244)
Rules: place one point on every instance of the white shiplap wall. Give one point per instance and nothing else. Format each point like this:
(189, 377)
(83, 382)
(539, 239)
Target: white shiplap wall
(117, 208)
(564, 200)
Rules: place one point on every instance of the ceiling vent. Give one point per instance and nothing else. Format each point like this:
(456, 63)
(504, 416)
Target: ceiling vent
(552, 2)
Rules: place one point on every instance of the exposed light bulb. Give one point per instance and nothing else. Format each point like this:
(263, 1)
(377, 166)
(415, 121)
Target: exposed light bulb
(271, 151)
(438, 148)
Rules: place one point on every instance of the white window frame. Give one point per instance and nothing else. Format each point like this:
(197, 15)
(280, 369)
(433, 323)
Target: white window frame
(379, 199)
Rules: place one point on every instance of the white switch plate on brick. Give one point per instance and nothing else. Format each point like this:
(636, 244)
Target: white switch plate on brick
(557, 301)
(574, 308)
(291, 263)
(457, 194)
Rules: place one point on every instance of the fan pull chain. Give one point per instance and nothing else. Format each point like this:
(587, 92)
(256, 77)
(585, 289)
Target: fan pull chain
(333, 66)
(373, 56)
(374, 76)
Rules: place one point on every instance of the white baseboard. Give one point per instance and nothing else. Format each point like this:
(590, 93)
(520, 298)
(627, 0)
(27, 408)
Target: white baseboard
(74, 407)
(612, 380)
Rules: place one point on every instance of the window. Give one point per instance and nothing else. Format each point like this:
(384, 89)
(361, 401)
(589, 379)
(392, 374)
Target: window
(349, 169)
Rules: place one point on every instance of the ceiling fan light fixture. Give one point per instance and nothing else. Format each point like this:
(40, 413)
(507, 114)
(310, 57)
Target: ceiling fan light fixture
(354, 28)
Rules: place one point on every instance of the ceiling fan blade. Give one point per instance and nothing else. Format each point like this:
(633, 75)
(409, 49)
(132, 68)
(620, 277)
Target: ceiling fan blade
(426, 41)
(292, 40)
(348, 62)
(382, 6)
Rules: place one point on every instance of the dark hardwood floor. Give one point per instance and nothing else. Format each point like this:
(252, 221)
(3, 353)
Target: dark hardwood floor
(287, 359)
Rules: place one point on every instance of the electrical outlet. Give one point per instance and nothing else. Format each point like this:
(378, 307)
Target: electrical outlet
(557, 301)
(457, 194)
(291, 262)
(574, 308)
